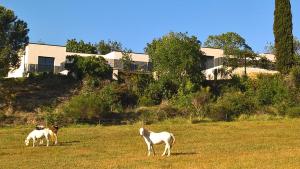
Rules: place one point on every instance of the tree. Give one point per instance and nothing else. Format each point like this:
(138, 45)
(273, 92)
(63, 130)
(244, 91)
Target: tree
(177, 57)
(95, 67)
(283, 32)
(107, 47)
(13, 39)
(229, 40)
(236, 50)
(126, 60)
(80, 47)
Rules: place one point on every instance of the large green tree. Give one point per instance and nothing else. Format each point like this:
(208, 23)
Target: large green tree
(177, 56)
(13, 38)
(80, 47)
(283, 32)
(236, 50)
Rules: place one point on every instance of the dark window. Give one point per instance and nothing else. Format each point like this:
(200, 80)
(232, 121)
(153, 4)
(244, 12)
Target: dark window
(45, 64)
(209, 62)
(219, 61)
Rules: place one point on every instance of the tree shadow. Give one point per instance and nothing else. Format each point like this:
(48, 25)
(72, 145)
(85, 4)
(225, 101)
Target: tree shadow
(40, 91)
(184, 153)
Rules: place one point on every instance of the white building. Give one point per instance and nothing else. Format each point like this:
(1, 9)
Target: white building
(51, 58)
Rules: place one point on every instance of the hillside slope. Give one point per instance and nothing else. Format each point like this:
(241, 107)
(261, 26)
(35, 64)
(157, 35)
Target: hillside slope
(24, 98)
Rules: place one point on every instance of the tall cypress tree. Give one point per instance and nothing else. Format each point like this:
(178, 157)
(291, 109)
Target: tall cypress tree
(283, 32)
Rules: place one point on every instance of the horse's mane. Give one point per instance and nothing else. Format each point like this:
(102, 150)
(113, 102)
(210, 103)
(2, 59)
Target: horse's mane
(146, 132)
(54, 129)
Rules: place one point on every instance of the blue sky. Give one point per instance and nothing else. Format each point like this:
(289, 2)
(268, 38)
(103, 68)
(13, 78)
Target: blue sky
(136, 22)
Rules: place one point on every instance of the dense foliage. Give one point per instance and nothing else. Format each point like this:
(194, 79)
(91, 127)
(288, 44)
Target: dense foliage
(109, 46)
(177, 57)
(283, 32)
(96, 67)
(80, 47)
(13, 39)
(236, 50)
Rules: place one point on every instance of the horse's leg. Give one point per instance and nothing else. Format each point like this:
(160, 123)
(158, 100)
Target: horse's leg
(153, 149)
(33, 142)
(149, 148)
(55, 139)
(169, 149)
(41, 141)
(165, 150)
(47, 139)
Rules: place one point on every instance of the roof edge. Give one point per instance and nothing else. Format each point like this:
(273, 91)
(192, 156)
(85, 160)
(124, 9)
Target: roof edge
(37, 43)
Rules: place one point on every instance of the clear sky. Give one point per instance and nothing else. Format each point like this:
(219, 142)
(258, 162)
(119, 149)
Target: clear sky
(136, 22)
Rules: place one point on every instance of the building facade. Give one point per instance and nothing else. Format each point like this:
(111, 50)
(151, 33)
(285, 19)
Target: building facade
(52, 58)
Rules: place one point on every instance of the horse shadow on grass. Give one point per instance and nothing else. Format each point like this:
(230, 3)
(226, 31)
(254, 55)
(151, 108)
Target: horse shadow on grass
(68, 143)
(184, 153)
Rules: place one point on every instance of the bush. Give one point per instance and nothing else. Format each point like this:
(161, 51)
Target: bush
(295, 73)
(157, 113)
(119, 96)
(293, 112)
(2, 116)
(147, 115)
(53, 118)
(200, 101)
(153, 95)
(86, 107)
(96, 67)
(231, 105)
(269, 90)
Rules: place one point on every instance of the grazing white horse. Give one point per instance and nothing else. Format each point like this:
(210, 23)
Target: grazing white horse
(152, 138)
(38, 134)
(52, 132)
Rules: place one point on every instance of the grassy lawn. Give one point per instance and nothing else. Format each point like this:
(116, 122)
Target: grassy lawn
(262, 145)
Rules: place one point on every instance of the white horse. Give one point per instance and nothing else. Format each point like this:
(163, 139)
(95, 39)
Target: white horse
(152, 138)
(38, 134)
(52, 132)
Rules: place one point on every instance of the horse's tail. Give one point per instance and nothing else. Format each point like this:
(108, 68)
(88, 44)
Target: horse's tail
(173, 138)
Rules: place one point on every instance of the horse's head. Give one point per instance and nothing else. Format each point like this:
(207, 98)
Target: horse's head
(142, 131)
(56, 126)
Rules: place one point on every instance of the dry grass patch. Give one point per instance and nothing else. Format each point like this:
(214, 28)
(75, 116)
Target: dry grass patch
(266, 144)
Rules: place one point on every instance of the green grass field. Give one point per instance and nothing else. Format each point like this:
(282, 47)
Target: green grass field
(262, 145)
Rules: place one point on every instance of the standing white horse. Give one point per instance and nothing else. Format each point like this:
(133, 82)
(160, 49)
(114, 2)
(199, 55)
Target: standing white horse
(152, 138)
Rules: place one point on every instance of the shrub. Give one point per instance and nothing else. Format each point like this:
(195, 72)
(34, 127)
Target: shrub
(192, 104)
(2, 116)
(200, 101)
(159, 90)
(96, 67)
(153, 95)
(141, 83)
(269, 90)
(157, 113)
(53, 117)
(119, 96)
(293, 112)
(147, 115)
(231, 105)
(295, 73)
(86, 107)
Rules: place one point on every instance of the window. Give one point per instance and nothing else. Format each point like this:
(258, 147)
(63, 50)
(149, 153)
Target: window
(45, 64)
(219, 61)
